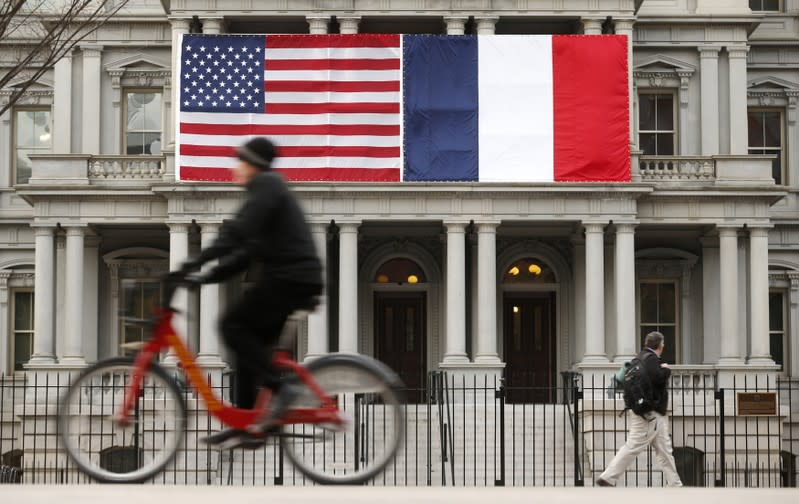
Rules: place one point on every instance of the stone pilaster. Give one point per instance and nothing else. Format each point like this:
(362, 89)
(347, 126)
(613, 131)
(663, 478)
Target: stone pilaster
(348, 288)
(456, 294)
(624, 269)
(486, 337)
(92, 98)
(317, 320)
(594, 293)
(43, 302)
(709, 107)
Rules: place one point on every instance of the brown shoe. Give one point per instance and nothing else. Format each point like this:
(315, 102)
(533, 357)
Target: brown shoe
(601, 482)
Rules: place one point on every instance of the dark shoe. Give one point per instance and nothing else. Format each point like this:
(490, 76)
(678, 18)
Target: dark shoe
(277, 409)
(245, 441)
(222, 436)
(601, 482)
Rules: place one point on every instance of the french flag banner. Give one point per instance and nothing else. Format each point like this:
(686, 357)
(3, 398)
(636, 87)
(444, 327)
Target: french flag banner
(384, 107)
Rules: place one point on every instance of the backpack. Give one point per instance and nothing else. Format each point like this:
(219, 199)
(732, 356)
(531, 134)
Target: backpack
(637, 389)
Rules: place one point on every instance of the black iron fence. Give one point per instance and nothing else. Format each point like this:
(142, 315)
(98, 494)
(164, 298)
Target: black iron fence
(469, 431)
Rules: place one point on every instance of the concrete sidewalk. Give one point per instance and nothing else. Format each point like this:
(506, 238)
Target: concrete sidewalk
(130, 494)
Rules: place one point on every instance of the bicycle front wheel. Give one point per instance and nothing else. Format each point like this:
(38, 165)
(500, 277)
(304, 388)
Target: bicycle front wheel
(367, 394)
(108, 451)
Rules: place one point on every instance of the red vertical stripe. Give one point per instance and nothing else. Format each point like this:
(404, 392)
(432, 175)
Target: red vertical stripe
(591, 118)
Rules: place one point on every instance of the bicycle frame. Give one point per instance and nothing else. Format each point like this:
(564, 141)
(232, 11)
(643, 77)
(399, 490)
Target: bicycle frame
(165, 337)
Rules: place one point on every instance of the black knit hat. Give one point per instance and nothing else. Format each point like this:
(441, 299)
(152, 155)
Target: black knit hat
(258, 152)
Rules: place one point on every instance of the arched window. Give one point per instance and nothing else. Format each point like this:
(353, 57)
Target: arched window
(400, 271)
(529, 271)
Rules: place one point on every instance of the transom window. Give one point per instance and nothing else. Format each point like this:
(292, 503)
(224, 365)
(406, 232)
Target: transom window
(31, 136)
(656, 124)
(766, 137)
(529, 271)
(776, 327)
(400, 271)
(658, 312)
(143, 122)
(22, 327)
(140, 297)
(766, 5)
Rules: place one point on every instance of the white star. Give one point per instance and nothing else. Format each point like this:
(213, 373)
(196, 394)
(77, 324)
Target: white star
(257, 63)
(216, 77)
(249, 55)
(216, 63)
(249, 83)
(257, 49)
(208, 56)
(235, 84)
(249, 97)
(237, 56)
(187, 76)
(194, 69)
(194, 83)
(202, 48)
(243, 76)
(256, 90)
(222, 84)
(230, 49)
(228, 104)
(193, 97)
(229, 63)
(229, 77)
(214, 90)
(186, 103)
(200, 104)
(207, 97)
(242, 104)
(249, 70)
(256, 77)
(213, 103)
(235, 97)
(188, 48)
(186, 89)
(202, 63)
(208, 70)
(244, 49)
(201, 77)
(221, 70)
(223, 56)
(229, 90)
(194, 55)
(235, 70)
(244, 63)
(216, 49)
(188, 62)
(255, 104)
(208, 84)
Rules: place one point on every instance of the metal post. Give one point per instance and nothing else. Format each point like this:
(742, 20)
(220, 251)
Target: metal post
(578, 473)
(719, 396)
(500, 394)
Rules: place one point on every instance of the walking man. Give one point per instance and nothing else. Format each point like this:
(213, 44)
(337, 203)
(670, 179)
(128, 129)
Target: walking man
(649, 428)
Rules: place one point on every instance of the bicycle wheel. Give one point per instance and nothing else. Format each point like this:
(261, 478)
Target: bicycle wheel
(104, 449)
(367, 393)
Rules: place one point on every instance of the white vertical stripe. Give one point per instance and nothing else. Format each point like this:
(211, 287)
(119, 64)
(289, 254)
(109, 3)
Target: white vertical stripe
(516, 108)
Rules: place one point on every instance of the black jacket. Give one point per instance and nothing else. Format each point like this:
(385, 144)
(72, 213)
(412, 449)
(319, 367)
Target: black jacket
(658, 377)
(269, 232)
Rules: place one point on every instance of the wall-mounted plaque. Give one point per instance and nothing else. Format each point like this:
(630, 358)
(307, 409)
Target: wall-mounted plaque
(756, 403)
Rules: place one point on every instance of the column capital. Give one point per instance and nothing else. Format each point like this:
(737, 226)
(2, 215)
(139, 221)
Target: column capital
(455, 224)
(486, 226)
(456, 25)
(625, 25)
(625, 227)
(209, 227)
(348, 24)
(759, 231)
(212, 25)
(592, 26)
(709, 51)
(348, 227)
(180, 24)
(76, 230)
(178, 227)
(594, 227)
(318, 24)
(43, 230)
(91, 50)
(737, 51)
(486, 25)
(728, 229)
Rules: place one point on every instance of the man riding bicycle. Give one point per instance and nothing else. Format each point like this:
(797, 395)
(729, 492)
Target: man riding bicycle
(269, 233)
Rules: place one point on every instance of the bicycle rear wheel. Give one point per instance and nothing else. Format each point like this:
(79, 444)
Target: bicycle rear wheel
(108, 451)
(367, 393)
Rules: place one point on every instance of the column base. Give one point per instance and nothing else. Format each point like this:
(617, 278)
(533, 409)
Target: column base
(761, 361)
(731, 361)
(72, 361)
(589, 360)
(211, 361)
(455, 359)
(489, 359)
(41, 361)
(621, 359)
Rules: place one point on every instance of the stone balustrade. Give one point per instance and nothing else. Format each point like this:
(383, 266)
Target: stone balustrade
(677, 168)
(108, 168)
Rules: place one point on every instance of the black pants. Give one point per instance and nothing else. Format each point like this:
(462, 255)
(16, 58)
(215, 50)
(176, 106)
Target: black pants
(251, 327)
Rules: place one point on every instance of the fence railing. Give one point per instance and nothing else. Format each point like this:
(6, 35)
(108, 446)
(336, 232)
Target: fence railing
(467, 430)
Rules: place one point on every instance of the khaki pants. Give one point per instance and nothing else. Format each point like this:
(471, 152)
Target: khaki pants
(653, 430)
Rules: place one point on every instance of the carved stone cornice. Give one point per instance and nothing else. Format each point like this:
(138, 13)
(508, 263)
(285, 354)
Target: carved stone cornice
(29, 97)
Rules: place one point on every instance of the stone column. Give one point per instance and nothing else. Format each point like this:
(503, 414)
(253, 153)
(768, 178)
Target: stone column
(317, 321)
(792, 361)
(578, 299)
(348, 288)
(682, 98)
(792, 159)
(728, 295)
(212, 25)
(6, 177)
(594, 293)
(456, 294)
(92, 76)
(348, 25)
(758, 297)
(709, 111)
(625, 27)
(711, 308)
(318, 25)
(486, 337)
(592, 26)
(739, 136)
(178, 253)
(43, 299)
(91, 263)
(486, 25)
(62, 106)
(4, 322)
(180, 26)
(624, 268)
(73, 309)
(456, 25)
(208, 355)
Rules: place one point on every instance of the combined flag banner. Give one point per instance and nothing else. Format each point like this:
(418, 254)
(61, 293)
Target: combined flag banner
(386, 107)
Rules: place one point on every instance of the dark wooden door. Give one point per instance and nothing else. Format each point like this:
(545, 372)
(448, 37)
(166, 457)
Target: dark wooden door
(400, 339)
(529, 347)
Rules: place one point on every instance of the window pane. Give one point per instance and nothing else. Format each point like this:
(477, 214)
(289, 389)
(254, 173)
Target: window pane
(670, 350)
(776, 348)
(646, 112)
(23, 311)
(773, 129)
(755, 129)
(666, 301)
(665, 112)
(144, 112)
(647, 144)
(24, 165)
(23, 349)
(771, 5)
(25, 128)
(665, 144)
(151, 292)
(776, 167)
(775, 306)
(649, 303)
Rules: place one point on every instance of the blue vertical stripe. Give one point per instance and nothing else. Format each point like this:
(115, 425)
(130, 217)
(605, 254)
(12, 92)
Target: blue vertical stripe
(440, 108)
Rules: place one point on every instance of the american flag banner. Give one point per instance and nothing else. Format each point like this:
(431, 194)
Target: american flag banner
(389, 107)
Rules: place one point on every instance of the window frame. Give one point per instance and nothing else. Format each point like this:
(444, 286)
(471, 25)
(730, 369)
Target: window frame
(123, 300)
(677, 315)
(15, 136)
(783, 152)
(675, 118)
(785, 294)
(12, 322)
(780, 6)
(123, 122)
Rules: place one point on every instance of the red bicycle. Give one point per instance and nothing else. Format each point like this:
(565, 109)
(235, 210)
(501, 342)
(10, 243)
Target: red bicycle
(343, 428)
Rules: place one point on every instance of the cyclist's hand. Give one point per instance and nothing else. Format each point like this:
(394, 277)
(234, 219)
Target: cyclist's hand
(194, 279)
(191, 266)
